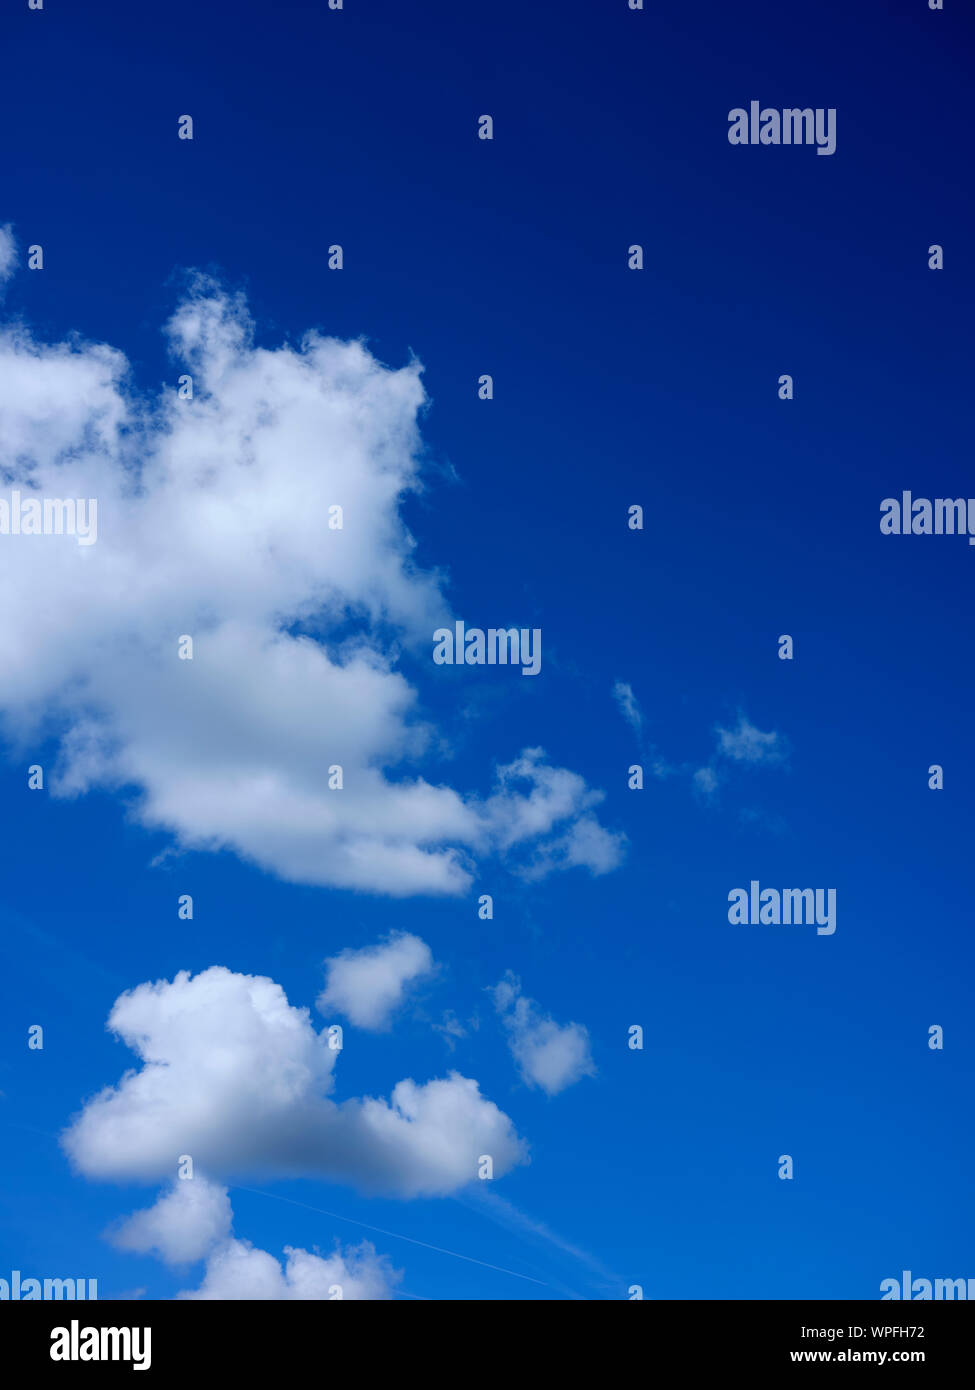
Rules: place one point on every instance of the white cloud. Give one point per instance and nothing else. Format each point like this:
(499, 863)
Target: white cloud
(553, 821)
(368, 986)
(239, 1271)
(213, 522)
(183, 1225)
(706, 782)
(451, 1027)
(8, 253)
(629, 706)
(236, 1077)
(632, 712)
(548, 1054)
(193, 1220)
(748, 744)
(743, 744)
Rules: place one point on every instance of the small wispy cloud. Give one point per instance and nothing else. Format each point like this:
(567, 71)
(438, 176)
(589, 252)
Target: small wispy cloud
(8, 253)
(632, 712)
(549, 1055)
(629, 706)
(705, 781)
(369, 985)
(747, 744)
(450, 1028)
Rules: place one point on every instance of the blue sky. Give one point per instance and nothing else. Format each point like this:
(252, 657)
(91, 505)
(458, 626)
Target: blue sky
(612, 388)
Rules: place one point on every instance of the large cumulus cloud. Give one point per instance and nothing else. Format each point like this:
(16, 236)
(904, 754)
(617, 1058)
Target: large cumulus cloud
(235, 1077)
(213, 522)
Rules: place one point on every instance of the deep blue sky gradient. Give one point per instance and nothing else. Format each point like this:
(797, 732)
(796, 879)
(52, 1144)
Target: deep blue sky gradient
(612, 387)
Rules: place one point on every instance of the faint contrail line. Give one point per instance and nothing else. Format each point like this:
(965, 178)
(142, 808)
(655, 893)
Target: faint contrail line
(393, 1234)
